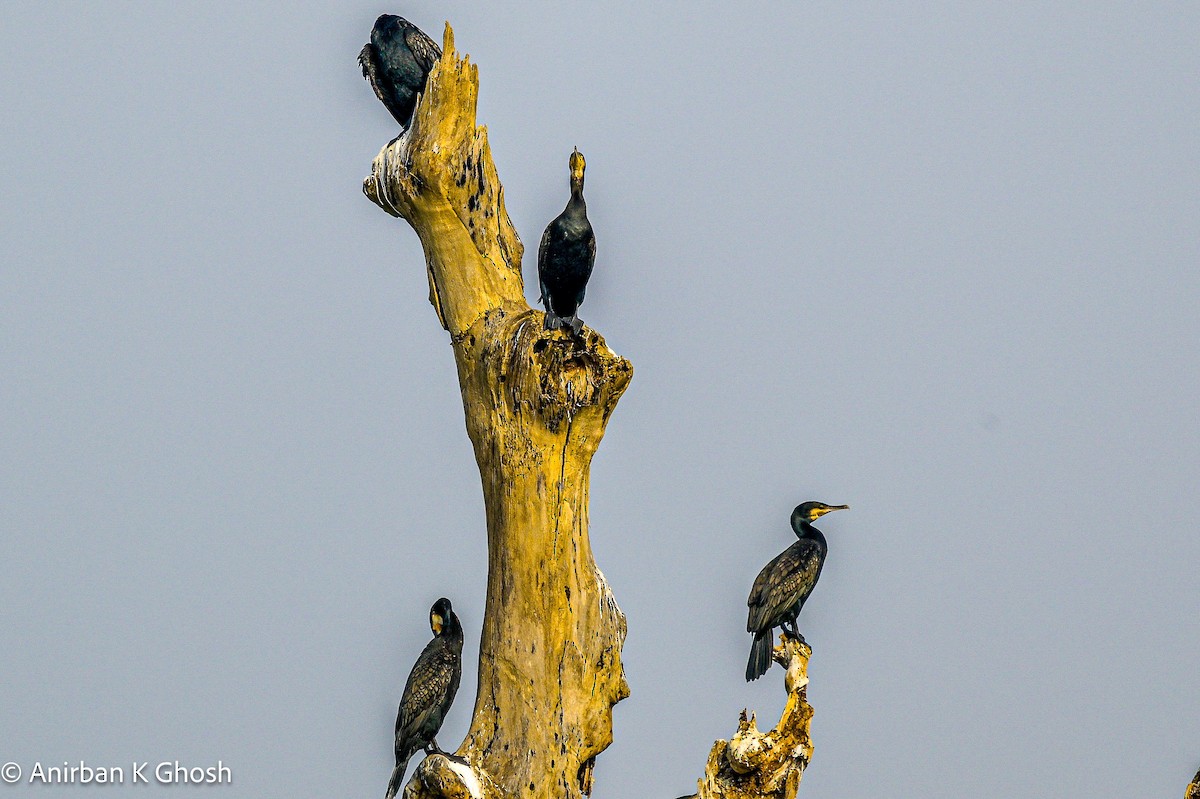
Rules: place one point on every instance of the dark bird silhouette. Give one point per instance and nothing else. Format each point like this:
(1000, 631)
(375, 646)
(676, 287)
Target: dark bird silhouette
(429, 691)
(566, 256)
(396, 61)
(784, 584)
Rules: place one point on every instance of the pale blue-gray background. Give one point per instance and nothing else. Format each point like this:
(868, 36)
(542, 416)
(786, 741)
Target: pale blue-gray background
(938, 261)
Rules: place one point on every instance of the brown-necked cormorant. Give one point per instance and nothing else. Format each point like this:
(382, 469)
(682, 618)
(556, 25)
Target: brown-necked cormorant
(396, 61)
(784, 584)
(566, 256)
(429, 691)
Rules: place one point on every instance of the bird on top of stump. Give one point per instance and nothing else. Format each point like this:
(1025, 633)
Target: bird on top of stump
(397, 61)
(429, 691)
(784, 584)
(566, 256)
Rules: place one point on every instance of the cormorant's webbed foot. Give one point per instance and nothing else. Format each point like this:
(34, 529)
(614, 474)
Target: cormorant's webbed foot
(553, 321)
(576, 324)
(432, 748)
(795, 634)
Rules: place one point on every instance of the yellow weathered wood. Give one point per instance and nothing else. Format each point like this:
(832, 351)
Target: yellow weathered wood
(536, 403)
(757, 765)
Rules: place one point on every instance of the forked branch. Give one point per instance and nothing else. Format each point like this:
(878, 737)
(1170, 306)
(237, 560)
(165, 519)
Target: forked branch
(754, 764)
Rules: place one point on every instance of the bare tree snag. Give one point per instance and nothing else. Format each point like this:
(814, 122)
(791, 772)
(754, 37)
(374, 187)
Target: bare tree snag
(1193, 790)
(536, 405)
(753, 764)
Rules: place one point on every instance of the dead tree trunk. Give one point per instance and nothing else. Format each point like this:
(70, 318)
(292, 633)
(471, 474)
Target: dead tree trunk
(536, 405)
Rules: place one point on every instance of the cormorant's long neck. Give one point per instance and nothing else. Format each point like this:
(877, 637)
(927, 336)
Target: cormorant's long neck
(453, 630)
(576, 204)
(813, 534)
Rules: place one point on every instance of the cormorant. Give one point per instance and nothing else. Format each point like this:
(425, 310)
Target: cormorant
(566, 256)
(396, 61)
(429, 691)
(784, 584)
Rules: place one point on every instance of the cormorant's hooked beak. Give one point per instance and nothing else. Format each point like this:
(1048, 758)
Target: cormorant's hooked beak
(818, 512)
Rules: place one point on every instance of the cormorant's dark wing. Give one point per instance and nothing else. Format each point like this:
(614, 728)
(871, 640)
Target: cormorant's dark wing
(370, 69)
(424, 50)
(591, 263)
(785, 581)
(427, 688)
(545, 243)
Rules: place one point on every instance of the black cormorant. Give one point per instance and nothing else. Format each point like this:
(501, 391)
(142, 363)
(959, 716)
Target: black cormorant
(429, 691)
(566, 256)
(782, 586)
(396, 61)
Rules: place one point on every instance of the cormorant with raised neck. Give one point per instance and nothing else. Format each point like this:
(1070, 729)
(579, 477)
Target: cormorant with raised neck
(784, 584)
(397, 61)
(566, 256)
(429, 691)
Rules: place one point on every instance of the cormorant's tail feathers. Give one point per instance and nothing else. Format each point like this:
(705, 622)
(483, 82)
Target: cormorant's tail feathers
(397, 778)
(760, 655)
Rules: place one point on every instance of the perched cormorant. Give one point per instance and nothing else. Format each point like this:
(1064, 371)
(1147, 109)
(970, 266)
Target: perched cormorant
(429, 691)
(396, 61)
(566, 256)
(782, 586)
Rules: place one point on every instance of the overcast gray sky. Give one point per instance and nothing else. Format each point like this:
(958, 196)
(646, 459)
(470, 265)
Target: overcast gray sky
(938, 261)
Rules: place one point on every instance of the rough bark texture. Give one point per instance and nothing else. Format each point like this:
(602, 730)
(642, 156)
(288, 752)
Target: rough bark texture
(756, 765)
(536, 404)
(1193, 790)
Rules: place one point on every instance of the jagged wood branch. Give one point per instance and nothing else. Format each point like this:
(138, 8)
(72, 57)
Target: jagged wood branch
(439, 176)
(1193, 790)
(754, 764)
(536, 404)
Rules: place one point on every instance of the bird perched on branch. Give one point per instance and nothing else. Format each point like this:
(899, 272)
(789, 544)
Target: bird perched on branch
(566, 256)
(429, 691)
(397, 61)
(784, 584)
